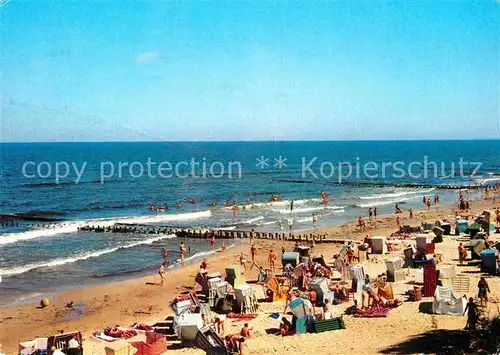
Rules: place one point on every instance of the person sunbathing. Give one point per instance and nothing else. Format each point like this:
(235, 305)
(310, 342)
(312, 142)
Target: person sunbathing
(285, 326)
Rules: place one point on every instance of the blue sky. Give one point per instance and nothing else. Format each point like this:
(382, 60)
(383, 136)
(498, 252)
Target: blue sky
(109, 71)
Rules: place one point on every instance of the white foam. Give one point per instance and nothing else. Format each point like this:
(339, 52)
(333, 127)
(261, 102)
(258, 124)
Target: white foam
(383, 203)
(85, 256)
(252, 220)
(72, 227)
(395, 194)
(309, 209)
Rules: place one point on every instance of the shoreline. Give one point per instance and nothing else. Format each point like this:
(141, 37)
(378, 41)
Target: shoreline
(143, 300)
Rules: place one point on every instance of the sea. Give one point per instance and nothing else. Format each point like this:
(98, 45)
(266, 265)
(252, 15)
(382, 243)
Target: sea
(50, 190)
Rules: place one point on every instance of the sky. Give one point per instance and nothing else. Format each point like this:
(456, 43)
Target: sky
(165, 71)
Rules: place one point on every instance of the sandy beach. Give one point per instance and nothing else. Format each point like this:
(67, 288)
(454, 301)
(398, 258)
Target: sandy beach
(144, 300)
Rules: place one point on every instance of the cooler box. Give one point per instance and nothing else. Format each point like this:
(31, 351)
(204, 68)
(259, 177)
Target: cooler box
(379, 245)
(462, 225)
(298, 308)
(488, 261)
(188, 325)
(290, 257)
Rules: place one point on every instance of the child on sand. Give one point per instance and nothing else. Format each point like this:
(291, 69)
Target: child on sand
(245, 331)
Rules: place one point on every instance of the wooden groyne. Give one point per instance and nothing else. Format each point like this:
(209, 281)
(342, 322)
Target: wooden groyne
(380, 184)
(207, 234)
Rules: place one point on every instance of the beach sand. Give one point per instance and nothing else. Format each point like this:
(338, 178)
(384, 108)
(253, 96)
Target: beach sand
(144, 300)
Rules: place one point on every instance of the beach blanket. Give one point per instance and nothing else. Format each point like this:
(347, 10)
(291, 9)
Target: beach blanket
(117, 333)
(155, 344)
(241, 316)
(102, 336)
(374, 312)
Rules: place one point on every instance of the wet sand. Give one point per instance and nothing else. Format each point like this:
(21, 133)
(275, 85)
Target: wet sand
(144, 300)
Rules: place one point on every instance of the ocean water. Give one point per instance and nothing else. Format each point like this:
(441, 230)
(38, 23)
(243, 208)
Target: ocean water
(107, 183)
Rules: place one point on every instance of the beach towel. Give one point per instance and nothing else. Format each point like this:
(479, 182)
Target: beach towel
(155, 344)
(102, 336)
(374, 312)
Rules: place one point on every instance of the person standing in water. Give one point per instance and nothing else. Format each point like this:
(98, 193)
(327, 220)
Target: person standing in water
(370, 214)
(164, 254)
(182, 249)
(161, 271)
(291, 205)
(375, 212)
(315, 219)
(290, 225)
(212, 242)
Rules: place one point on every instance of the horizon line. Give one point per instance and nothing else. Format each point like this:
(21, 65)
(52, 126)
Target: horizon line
(260, 141)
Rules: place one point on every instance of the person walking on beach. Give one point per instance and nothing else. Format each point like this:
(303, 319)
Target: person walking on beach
(462, 254)
(411, 213)
(424, 200)
(370, 214)
(212, 242)
(472, 316)
(243, 263)
(428, 204)
(272, 260)
(483, 290)
(161, 271)
(290, 225)
(252, 235)
(253, 252)
(375, 212)
(315, 219)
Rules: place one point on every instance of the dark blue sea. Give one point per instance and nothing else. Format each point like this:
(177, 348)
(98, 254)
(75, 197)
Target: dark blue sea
(72, 185)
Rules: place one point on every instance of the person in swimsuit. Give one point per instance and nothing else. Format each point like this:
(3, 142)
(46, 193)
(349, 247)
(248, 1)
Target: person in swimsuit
(272, 260)
(161, 272)
(182, 249)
